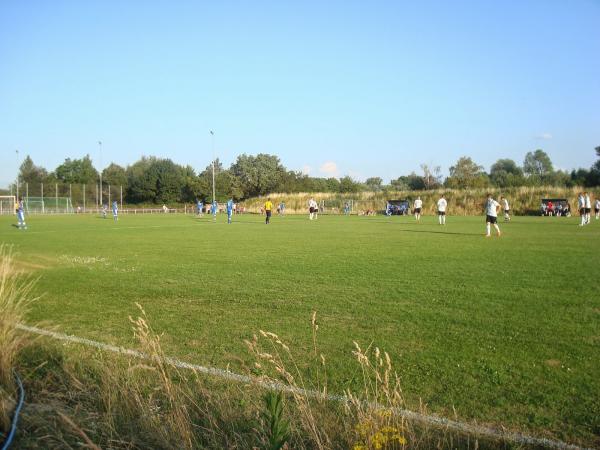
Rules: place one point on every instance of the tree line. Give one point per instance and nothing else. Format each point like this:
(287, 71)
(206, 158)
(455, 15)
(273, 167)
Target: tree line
(160, 180)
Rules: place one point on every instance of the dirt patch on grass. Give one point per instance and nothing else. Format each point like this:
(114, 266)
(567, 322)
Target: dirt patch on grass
(26, 267)
(552, 363)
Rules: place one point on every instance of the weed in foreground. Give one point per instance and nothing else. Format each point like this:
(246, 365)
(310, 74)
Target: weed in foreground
(15, 298)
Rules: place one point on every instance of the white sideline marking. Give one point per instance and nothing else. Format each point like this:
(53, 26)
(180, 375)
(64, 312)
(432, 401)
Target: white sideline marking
(517, 438)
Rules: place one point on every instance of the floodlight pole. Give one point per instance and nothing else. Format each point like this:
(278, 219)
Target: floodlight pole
(212, 134)
(17, 183)
(100, 145)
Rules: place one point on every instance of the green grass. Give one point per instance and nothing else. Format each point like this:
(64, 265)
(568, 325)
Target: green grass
(505, 330)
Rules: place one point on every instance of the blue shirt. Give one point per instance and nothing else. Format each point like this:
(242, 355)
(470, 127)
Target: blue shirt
(229, 206)
(114, 206)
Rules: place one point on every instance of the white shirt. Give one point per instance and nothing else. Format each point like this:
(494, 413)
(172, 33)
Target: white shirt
(588, 201)
(442, 203)
(597, 204)
(491, 207)
(418, 203)
(581, 201)
(312, 203)
(506, 207)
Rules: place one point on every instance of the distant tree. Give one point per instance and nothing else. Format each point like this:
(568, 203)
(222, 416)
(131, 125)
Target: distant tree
(114, 175)
(203, 187)
(579, 177)
(332, 184)
(466, 174)
(154, 180)
(347, 184)
(593, 178)
(506, 173)
(289, 181)
(30, 173)
(77, 171)
(538, 164)
(168, 179)
(139, 186)
(415, 182)
(374, 184)
(558, 178)
(228, 186)
(505, 165)
(258, 174)
(399, 184)
(432, 176)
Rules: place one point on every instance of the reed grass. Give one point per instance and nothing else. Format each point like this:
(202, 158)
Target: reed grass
(524, 200)
(15, 297)
(88, 399)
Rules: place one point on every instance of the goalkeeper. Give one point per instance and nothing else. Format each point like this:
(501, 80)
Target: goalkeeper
(21, 225)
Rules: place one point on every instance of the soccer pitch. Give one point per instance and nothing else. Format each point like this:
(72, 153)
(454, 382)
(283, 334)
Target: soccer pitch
(505, 330)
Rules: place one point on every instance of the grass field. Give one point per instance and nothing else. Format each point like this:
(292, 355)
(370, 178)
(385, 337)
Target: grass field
(505, 330)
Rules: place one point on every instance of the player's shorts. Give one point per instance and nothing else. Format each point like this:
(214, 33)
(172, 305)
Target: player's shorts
(268, 213)
(596, 210)
(441, 213)
(491, 219)
(582, 211)
(21, 216)
(588, 210)
(311, 210)
(507, 211)
(417, 210)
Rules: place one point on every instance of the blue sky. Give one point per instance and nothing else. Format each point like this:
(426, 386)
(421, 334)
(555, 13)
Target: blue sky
(333, 88)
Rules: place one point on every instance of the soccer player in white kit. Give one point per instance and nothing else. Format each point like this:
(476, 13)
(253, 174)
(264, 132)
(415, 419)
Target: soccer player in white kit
(588, 207)
(597, 208)
(313, 207)
(418, 205)
(491, 215)
(581, 208)
(506, 208)
(442, 204)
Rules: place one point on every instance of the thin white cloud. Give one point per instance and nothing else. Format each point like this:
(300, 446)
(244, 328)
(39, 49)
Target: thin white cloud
(306, 169)
(544, 136)
(329, 168)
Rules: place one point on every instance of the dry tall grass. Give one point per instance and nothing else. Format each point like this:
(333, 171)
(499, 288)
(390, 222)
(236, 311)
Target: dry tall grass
(15, 297)
(370, 418)
(523, 200)
(150, 395)
(90, 399)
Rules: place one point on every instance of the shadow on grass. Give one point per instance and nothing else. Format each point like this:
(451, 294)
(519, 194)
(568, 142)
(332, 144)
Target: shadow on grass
(457, 233)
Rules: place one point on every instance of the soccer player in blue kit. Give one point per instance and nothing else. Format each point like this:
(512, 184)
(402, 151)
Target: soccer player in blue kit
(229, 210)
(20, 215)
